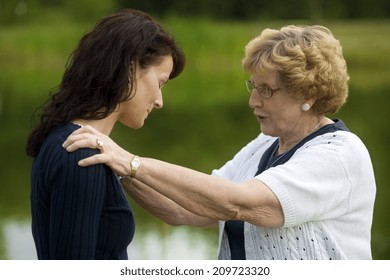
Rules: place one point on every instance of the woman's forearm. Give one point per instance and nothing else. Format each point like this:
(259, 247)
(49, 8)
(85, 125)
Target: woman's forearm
(199, 193)
(210, 196)
(163, 207)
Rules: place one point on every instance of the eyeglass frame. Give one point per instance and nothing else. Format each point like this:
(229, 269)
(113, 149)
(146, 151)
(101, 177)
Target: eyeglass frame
(250, 86)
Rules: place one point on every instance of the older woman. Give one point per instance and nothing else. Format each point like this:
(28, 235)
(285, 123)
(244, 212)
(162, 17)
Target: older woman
(303, 189)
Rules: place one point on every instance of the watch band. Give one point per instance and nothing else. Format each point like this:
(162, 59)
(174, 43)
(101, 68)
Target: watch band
(134, 164)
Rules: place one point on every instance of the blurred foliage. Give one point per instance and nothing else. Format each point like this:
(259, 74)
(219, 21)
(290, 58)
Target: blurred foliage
(205, 119)
(16, 11)
(27, 11)
(265, 9)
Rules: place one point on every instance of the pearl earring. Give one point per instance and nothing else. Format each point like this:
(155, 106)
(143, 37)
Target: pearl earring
(305, 107)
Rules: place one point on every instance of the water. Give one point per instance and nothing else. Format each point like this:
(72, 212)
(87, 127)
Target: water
(169, 243)
(18, 241)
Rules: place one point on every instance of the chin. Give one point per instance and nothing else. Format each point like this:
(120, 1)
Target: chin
(267, 132)
(138, 126)
(133, 125)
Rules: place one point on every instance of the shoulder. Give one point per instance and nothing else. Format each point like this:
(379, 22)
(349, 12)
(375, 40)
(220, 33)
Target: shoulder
(54, 140)
(52, 156)
(340, 150)
(59, 171)
(340, 142)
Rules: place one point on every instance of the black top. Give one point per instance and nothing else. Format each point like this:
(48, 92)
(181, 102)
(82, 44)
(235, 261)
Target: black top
(77, 212)
(235, 229)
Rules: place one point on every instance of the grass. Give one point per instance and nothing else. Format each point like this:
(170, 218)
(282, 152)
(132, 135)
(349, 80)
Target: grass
(33, 57)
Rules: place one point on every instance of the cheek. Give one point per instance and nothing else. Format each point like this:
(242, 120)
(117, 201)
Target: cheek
(130, 109)
(282, 114)
(288, 120)
(142, 94)
(146, 92)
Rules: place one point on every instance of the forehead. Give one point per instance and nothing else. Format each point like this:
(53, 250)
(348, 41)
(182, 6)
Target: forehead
(163, 68)
(166, 64)
(267, 77)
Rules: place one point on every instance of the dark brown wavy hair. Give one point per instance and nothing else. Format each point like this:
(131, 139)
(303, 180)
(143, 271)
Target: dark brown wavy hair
(96, 78)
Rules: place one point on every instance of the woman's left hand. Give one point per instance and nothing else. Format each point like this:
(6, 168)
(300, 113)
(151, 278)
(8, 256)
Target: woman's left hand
(110, 154)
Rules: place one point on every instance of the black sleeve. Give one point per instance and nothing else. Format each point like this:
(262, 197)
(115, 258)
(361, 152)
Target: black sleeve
(77, 198)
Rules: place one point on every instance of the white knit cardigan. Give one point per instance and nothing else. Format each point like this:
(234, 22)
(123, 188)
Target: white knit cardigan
(327, 191)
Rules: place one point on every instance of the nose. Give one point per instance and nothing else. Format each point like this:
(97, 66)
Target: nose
(255, 100)
(158, 103)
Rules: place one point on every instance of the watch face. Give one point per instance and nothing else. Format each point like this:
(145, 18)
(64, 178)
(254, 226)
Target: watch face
(135, 163)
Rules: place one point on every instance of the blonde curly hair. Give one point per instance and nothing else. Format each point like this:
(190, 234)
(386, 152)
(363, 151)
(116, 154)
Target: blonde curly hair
(309, 62)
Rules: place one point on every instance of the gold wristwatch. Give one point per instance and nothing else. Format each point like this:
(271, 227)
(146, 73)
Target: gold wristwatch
(134, 164)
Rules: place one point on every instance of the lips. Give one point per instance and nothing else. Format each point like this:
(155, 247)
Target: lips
(147, 113)
(260, 117)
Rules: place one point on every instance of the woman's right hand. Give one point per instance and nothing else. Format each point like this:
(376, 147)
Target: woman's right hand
(110, 154)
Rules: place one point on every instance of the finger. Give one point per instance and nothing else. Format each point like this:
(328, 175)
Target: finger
(75, 138)
(86, 130)
(72, 138)
(79, 133)
(95, 159)
(81, 143)
(91, 130)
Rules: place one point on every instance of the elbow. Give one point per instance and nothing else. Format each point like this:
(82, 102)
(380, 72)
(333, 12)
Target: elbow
(175, 222)
(230, 213)
(264, 217)
(177, 218)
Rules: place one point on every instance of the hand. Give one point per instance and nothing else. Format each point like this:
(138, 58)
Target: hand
(111, 154)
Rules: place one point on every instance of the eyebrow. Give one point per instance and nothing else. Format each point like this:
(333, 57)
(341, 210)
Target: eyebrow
(261, 84)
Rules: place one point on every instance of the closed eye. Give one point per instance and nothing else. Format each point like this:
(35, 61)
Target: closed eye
(162, 84)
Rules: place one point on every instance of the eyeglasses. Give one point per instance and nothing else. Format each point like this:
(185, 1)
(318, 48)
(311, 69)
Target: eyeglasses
(262, 90)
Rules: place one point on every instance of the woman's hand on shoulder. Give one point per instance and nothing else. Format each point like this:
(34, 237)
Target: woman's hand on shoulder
(110, 154)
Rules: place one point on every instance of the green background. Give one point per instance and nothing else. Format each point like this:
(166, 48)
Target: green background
(205, 119)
